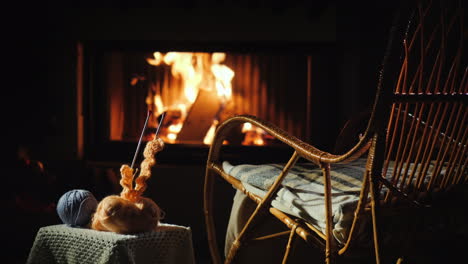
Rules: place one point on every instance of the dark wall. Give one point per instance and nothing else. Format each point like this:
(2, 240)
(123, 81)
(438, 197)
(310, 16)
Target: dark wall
(42, 48)
(352, 37)
(346, 77)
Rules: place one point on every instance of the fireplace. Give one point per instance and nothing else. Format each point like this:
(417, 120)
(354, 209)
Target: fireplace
(195, 88)
(273, 68)
(198, 90)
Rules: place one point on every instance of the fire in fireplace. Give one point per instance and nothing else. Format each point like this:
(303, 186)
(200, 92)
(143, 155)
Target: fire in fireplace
(202, 87)
(197, 90)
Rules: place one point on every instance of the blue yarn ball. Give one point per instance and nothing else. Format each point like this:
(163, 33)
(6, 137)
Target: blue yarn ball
(76, 207)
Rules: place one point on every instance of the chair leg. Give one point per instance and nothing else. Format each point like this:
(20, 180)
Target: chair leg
(232, 251)
(330, 247)
(288, 246)
(244, 233)
(375, 228)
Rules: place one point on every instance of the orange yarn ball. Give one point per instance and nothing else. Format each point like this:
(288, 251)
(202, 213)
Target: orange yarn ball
(125, 217)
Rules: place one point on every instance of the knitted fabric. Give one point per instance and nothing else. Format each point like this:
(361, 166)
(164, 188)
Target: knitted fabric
(63, 244)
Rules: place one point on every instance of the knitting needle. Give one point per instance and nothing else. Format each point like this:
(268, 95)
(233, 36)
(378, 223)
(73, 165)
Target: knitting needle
(159, 126)
(141, 137)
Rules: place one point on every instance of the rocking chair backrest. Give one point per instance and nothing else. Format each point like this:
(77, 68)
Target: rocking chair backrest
(426, 133)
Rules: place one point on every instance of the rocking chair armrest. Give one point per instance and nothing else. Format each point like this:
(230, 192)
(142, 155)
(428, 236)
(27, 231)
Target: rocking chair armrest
(304, 149)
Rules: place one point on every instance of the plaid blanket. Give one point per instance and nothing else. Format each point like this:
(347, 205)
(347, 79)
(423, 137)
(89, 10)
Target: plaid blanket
(302, 190)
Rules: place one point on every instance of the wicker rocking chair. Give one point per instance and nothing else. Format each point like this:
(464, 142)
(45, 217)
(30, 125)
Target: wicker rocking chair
(414, 148)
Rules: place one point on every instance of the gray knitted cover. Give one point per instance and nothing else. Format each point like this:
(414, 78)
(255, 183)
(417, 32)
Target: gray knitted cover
(64, 244)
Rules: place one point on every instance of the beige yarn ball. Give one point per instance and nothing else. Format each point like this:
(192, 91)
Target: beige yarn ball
(124, 217)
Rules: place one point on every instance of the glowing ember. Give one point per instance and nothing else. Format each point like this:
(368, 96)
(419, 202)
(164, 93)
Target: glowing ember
(175, 128)
(210, 134)
(159, 104)
(246, 127)
(253, 135)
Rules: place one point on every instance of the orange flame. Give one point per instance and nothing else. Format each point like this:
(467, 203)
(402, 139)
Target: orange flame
(253, 135)
(197, 70)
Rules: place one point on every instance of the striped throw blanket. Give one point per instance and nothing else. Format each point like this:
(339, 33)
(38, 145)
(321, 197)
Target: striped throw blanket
(302, 191)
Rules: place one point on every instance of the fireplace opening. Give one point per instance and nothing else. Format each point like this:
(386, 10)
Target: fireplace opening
(197, 90)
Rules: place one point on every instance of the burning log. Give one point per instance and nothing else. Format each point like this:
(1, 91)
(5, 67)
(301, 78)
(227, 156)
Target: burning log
(200, 117)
